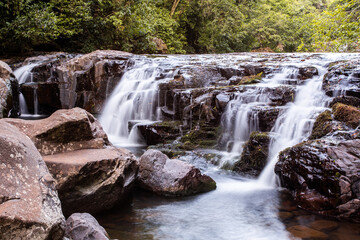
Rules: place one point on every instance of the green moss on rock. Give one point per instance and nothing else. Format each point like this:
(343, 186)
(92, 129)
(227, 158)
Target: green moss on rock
(347, 114)
(322, 125)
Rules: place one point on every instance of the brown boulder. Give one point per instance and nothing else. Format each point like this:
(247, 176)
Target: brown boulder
(323, 177)
(171, 177)
(92, 180)
(64, 131)
(29, 204)
(304, 232)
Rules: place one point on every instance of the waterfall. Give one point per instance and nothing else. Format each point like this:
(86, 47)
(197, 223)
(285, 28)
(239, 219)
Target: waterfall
(294, 125)
(134, 100)
(24, 75)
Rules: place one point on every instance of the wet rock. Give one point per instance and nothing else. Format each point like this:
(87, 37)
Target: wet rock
(9, 92)
(222, 100)
(171, 177)
(321, 176)
(254, 156)
(201, 136)
(324, 225)
(322, 125)
(83, 226)
(47, 95)
(29, 204)
(348, 114)
(229, 73)
(159, 132)
(281, 95)
(285, 215)
(267, 117)
(343, 79)
(304, 232)
(64, 131)
(347, 100)
(87, 81)
(307, 72)
(92, 180)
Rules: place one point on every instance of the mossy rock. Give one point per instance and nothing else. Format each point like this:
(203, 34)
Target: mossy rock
(254, 156)
(251, 79)
(322, 125)
(347, 114)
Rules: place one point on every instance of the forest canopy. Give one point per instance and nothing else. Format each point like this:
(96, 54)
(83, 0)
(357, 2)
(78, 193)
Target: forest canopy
(185, 26)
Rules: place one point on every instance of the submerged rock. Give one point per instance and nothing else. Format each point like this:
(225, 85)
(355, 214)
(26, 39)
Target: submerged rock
(254, 156)
(171, 177)
(9, 92)
(29, 204)
(83, 226)
(323, 177)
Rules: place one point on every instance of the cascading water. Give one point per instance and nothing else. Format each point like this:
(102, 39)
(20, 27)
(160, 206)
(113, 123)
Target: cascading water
(294, 125)
(135, 100)
(24, 75)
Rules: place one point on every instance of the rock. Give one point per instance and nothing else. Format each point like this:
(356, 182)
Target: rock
(9, 92)
(47, 95)
(347, 100)
(267, 117)
(285, 215)
(304, 232)
(83, 226)
(92, 180)
(202, 135)
(348, 114)
(230, 72)
(307, 72)
(160, 46)
(281, 95)
(322, 176)
(29, 204)
(86, 81)
(324, 225)
(222, 100)
(343, 78)
(171, 177)
(322, 125)
(64, 131)
(254, 156)
(159, 132)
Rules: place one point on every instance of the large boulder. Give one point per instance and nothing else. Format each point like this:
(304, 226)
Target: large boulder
(171, 177)
(29, 204)
(323, 177)
(255, 154)
(83, 226)
(91, 175)
(348, 114)
(64, 131)
(86, 81)
(92, 180)
(9, 92)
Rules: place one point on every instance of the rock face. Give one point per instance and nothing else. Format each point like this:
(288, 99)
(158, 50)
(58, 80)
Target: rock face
(29, 204)
(87, 81)
(64, 131)
(323, 177)
(91, 175)
(9, 92)
(255, 154)
(171, 177)
(92, 180)
(83, 226)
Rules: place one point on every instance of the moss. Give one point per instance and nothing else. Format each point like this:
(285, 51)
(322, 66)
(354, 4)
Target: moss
(322, 125)
(347, 114)
(251, 79)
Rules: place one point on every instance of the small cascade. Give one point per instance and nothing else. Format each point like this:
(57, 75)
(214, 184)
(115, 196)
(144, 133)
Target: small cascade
(294, 125)
(135, 100)
(24, 75)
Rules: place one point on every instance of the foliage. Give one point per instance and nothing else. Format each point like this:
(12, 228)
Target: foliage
(186, 26)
